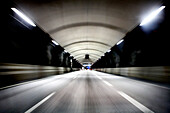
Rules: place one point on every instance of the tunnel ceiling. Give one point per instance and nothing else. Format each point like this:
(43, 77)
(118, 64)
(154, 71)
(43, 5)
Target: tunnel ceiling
(87, 26)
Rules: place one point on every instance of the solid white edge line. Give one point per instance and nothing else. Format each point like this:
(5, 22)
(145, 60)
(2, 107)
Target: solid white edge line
(135, 103)
(39, 103)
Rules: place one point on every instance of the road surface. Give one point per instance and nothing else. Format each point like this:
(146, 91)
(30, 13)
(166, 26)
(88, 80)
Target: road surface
(85, 91)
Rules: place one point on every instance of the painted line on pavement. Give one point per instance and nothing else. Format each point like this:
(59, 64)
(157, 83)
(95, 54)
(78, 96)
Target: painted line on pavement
(107, 83)
(130, 99)
(74, 77)
(135, 103)
(98, 77)
(104, 80)
(39, 103)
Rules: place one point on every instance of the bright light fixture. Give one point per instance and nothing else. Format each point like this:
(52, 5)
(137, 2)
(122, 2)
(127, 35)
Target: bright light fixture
(120, 42)
(151, 16)
(86, 65)
(108, 50)
(23, 16)
(55, 42)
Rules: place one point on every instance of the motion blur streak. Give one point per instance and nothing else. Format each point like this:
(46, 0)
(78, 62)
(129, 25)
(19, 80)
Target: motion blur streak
(85, 92)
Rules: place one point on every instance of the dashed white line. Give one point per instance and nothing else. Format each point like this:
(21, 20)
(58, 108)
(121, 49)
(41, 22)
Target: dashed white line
(130, 99)
(98, 77)
(39, 103)
(104, 80)
(135, 103)
(107, 83)
(74, 77)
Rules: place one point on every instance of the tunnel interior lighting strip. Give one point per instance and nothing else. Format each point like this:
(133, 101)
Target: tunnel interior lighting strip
(120, 42)
(151, 16)
(55, 42)
(24, 17)
(65, 51)
(108, 50)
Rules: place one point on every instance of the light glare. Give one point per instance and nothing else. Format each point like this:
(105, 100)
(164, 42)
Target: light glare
(120, 42)
(108, 50)
(23, 16)
(151, 16)
(86, 65)
(55, 42)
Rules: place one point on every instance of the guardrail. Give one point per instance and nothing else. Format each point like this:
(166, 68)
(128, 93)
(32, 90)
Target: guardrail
(14, 73)
(159, 73)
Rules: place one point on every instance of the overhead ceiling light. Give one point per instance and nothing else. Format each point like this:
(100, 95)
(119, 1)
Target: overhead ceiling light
(23, 17)
(108, 50)
(55, 42)
(120, 42)
(151, 16)
(86, 65)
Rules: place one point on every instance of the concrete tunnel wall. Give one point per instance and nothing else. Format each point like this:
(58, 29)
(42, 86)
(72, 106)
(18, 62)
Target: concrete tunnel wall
(158, 73)
(28, 53)
(23, 44)
(15, 73)
(144, 53)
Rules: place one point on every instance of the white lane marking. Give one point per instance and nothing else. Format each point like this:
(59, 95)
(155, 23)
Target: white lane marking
(98, 77)
(135, 103)
(107, 83)
(74, 77)
(39, 103)
(104, 80)
(137, 81)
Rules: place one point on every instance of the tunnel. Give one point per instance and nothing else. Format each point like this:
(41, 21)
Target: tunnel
(85, 56)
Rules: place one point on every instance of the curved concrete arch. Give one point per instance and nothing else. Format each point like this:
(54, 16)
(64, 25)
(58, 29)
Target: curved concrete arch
(81, 60)
(89, 55)
(89, 46)
(87, 42)
(109, 26)
(85, 49)
(101, 23)
(82, 56)
(90, 52)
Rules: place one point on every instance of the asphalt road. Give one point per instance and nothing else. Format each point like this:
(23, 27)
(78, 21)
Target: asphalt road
(85, 92)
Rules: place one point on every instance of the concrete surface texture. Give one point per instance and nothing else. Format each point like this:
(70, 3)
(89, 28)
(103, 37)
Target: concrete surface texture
(87, 26)
(85, 91)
